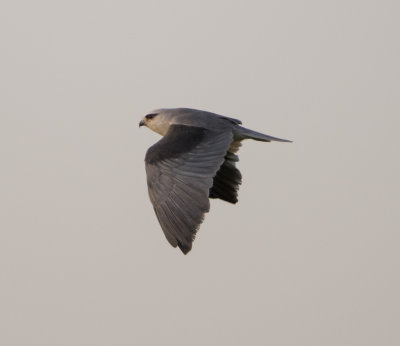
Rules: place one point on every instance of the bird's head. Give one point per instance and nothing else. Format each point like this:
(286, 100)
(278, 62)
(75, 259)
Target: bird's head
(157, 120)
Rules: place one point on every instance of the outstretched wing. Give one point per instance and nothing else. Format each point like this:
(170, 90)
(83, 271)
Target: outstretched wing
(180, 170)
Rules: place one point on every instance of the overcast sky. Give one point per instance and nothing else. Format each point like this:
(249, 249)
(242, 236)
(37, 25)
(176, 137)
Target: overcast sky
(310, 254)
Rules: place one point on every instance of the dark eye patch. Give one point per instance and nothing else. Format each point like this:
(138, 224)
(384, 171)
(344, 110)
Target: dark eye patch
(151, 116)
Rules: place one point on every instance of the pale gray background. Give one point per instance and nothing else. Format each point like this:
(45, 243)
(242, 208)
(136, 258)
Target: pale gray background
(309, 256)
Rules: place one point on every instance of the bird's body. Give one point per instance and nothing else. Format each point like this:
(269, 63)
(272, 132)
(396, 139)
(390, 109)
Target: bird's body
(194, 161)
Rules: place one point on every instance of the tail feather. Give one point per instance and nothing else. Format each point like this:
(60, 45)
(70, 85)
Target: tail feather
(245, 133)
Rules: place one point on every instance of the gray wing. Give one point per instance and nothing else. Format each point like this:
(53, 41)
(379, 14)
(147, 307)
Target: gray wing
(180, 170)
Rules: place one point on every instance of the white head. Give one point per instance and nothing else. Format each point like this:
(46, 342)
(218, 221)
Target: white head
(158, 120)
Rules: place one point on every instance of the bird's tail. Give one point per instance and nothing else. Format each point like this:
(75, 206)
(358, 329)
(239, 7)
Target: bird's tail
(244, 133)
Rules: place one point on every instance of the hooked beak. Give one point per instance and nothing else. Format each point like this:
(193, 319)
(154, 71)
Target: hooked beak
(141, 123)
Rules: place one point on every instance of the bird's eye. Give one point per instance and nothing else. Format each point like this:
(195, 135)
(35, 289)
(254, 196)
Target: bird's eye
(151, 116)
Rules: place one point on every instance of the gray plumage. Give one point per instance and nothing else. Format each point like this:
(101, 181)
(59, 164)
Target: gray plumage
(194, 161)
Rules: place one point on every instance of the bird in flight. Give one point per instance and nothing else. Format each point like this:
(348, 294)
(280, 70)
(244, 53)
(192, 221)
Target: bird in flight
(194, 161)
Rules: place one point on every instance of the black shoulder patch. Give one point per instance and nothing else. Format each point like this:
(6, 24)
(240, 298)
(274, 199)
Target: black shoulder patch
(179, 139)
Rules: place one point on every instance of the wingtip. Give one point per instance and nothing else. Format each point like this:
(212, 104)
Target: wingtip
(185, 248)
